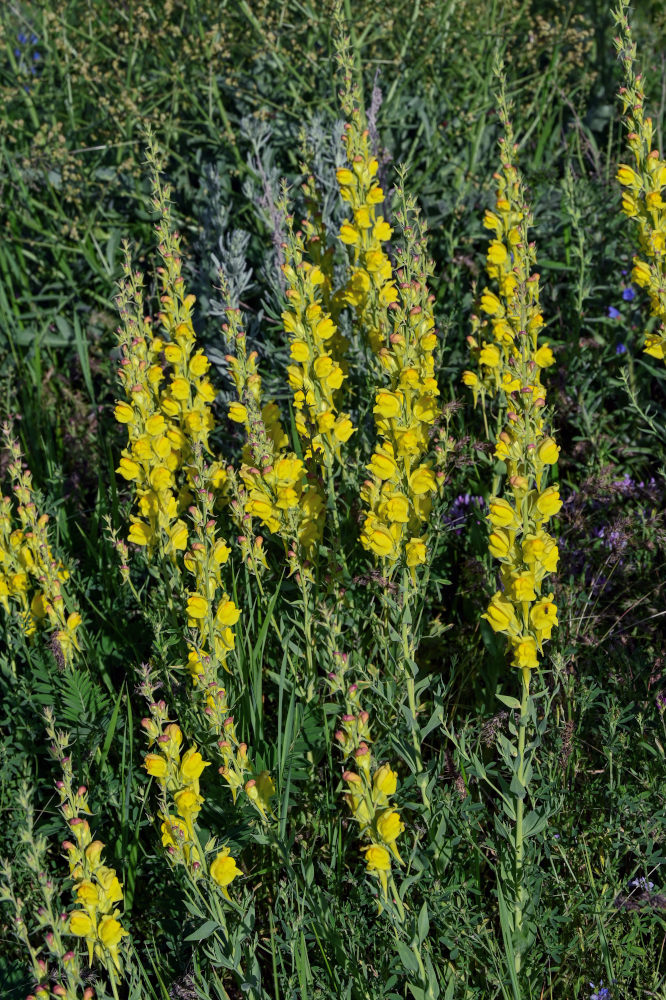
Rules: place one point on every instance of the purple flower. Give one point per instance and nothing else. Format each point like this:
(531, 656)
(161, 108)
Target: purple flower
(620, 349)
(641, 883)
(629, 294)
(601, 992)
(22, 37)
(613, 312)
(661, 702)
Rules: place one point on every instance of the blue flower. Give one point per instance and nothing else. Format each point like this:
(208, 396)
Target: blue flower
(33, 39)
(629, 294)
(22, 37)
(613, 312)
(36, 56)
(620, 349)
(601, 992)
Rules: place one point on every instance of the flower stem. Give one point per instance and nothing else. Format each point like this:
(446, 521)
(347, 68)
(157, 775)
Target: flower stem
(519, 902)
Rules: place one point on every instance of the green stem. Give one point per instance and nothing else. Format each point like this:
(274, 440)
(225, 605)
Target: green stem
(307, 628)
(421, 776)
(519, 902)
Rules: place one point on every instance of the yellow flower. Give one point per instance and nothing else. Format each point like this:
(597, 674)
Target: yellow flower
(227, 612)
(422, 480)
(501, 615)
(499, 544)
(174, 832)
(140, 533)
(384, 782)
(80, 924)
(378, 538)
(641, 273)
(497, 253)
(502, 514)
(223, 870)
(378, 860)
(197, 606)
(390, 826)
(382, 465)
(544, 357)
(192, 765)
(548, 451)
(123, 413)
(387, 404)
(188, 803)
(128, 469)
(156, 765)
(490, 304)
(523, 587)
(237, 413)
(348, 234)
(490, 355)
(88, 895)
(111, 932)
(548, 503)
(415, 551)
(544, 617)
(525, 652)
(628, 177)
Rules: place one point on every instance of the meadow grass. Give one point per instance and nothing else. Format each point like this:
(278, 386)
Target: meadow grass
(333, 661)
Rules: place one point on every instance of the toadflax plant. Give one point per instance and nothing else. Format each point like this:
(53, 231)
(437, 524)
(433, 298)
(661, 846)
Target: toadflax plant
(643, 180)
(505, 345)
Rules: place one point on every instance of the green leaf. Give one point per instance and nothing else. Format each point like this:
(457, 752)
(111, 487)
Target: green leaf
(204, 931)
(407, 957)
(423, 923)
(508, 700)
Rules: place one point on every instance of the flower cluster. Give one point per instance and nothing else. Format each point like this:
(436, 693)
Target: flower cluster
(210, 611)
(511, 363)
(398, 497)
(58, 972)
(178, 776)
(96, 888)
(319, 252)
(642, 186)
(31, 578)
(167, 406)
(316, 374)
(236, 767)
(278, 490)
(369, 787)
(369, 289)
